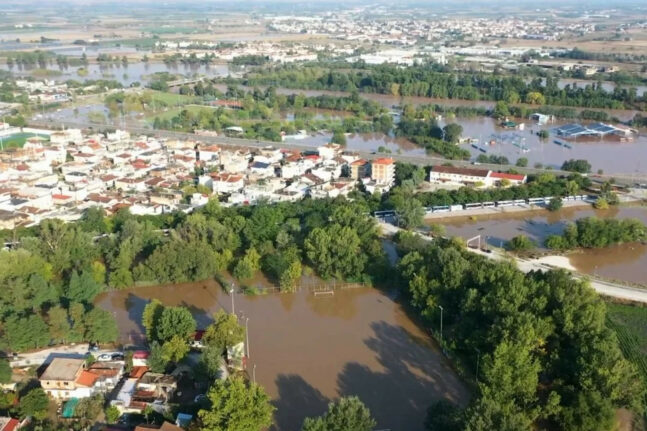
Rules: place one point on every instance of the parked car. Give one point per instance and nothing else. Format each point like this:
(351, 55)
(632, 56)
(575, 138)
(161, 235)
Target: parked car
(104, 357)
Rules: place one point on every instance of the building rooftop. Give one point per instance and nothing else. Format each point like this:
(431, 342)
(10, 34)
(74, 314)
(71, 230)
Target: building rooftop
(63, 369)
(460, 171)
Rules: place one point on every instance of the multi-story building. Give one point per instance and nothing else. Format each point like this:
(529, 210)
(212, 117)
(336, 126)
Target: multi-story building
(383, 170)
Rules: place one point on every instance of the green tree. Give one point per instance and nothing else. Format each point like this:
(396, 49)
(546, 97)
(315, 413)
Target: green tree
(175, 321)
(348, 414)
(100, 326)
(522, 162)
(89, 408)
(5, 371)
(410, 213)
(175, 349)
(35, 404)
(336, 251)
(23, 333)
(82, 287)
(211, 362)
(151, 316)
(236, 406)
(452, 133)
(59, 324)
(224, 332)
(338, 137)
(520, 243)
(290, 276)
(555, 204)
(248, 265)
(112, 414)
(156, 359)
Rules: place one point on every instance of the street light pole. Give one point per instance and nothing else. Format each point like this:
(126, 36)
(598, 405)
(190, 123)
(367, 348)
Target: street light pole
(247, 335)
(441, 322)
(231, 293)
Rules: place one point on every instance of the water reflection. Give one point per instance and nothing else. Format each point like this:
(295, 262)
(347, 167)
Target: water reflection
(312, 349)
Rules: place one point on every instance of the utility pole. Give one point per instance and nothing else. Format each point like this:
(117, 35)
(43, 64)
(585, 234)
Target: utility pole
(231, 293)
(441, 322)
(247, 335)
(478, 356)
(254, 373)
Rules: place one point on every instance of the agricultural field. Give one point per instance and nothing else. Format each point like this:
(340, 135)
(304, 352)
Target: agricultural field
(630, 324)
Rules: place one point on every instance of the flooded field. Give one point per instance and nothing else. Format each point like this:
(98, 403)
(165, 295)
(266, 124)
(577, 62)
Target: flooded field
(311, 349)
(126, 74)
(625, 262)
(369, 142)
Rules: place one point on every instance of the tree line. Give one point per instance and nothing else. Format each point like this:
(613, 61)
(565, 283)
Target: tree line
(593, 232)
(536, 344)
(428, 80)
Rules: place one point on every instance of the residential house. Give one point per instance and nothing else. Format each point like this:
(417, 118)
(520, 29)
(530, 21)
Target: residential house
(67, 378)
(226, 183)
(383, 170)
(453, 174)
(360, 169)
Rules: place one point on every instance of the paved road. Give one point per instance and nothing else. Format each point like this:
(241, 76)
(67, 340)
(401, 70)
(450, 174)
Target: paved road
(40, 357)
(295, 145)
(613, 290)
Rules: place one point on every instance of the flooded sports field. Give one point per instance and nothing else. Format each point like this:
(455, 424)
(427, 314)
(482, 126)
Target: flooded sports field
(624, 262)
(310, 349)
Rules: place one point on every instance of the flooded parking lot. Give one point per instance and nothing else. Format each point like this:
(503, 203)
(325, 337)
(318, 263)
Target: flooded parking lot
(311, 349)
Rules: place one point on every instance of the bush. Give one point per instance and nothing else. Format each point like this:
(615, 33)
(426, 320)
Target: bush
(555, 204)
(520, 243)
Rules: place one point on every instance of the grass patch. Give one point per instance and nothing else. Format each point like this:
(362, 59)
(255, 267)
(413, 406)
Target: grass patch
(45, 73)
(630, 324)
(17, 140)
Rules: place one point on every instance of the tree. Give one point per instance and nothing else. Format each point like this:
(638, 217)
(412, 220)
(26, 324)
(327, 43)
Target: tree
(35, 404)
(100, 326)
(452, 133)
(535, 98)
(338, 137)
(150, 317)
(289, 277)
(175, 321)
(224, 332)
(520, 243)
(501, 110)
(555, 204)
(59, 324)
(175, 349)
(236, 406)
(336, 251)
(23, 333)
(601, 204)
(348, 414)
(580, 165)
(112, 414)
(248, 265)
(522, 162)
(89, 407)
(410, 213)
(156, 359)
(5, 371)
(82, 287)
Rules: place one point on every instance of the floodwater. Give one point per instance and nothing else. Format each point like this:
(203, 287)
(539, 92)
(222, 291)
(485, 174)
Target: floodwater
(608, 154)
(368, 142)
(626, 262)
(126, 74)
(309, 349)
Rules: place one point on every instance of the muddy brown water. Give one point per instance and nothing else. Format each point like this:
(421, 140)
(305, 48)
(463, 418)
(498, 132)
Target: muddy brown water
(309, 349)
(626, 262)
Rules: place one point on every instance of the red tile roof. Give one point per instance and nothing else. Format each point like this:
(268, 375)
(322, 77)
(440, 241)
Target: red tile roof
(504, 175)
(86, 378)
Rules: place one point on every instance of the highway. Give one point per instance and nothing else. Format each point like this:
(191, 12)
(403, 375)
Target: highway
(606, 288)
(295, 145)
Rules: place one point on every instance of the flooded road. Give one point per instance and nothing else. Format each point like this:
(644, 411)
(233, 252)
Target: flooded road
(311, 349)
(626, 262)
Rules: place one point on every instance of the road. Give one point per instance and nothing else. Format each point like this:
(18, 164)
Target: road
(294, 145)
(40, 357)
(606, 288)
